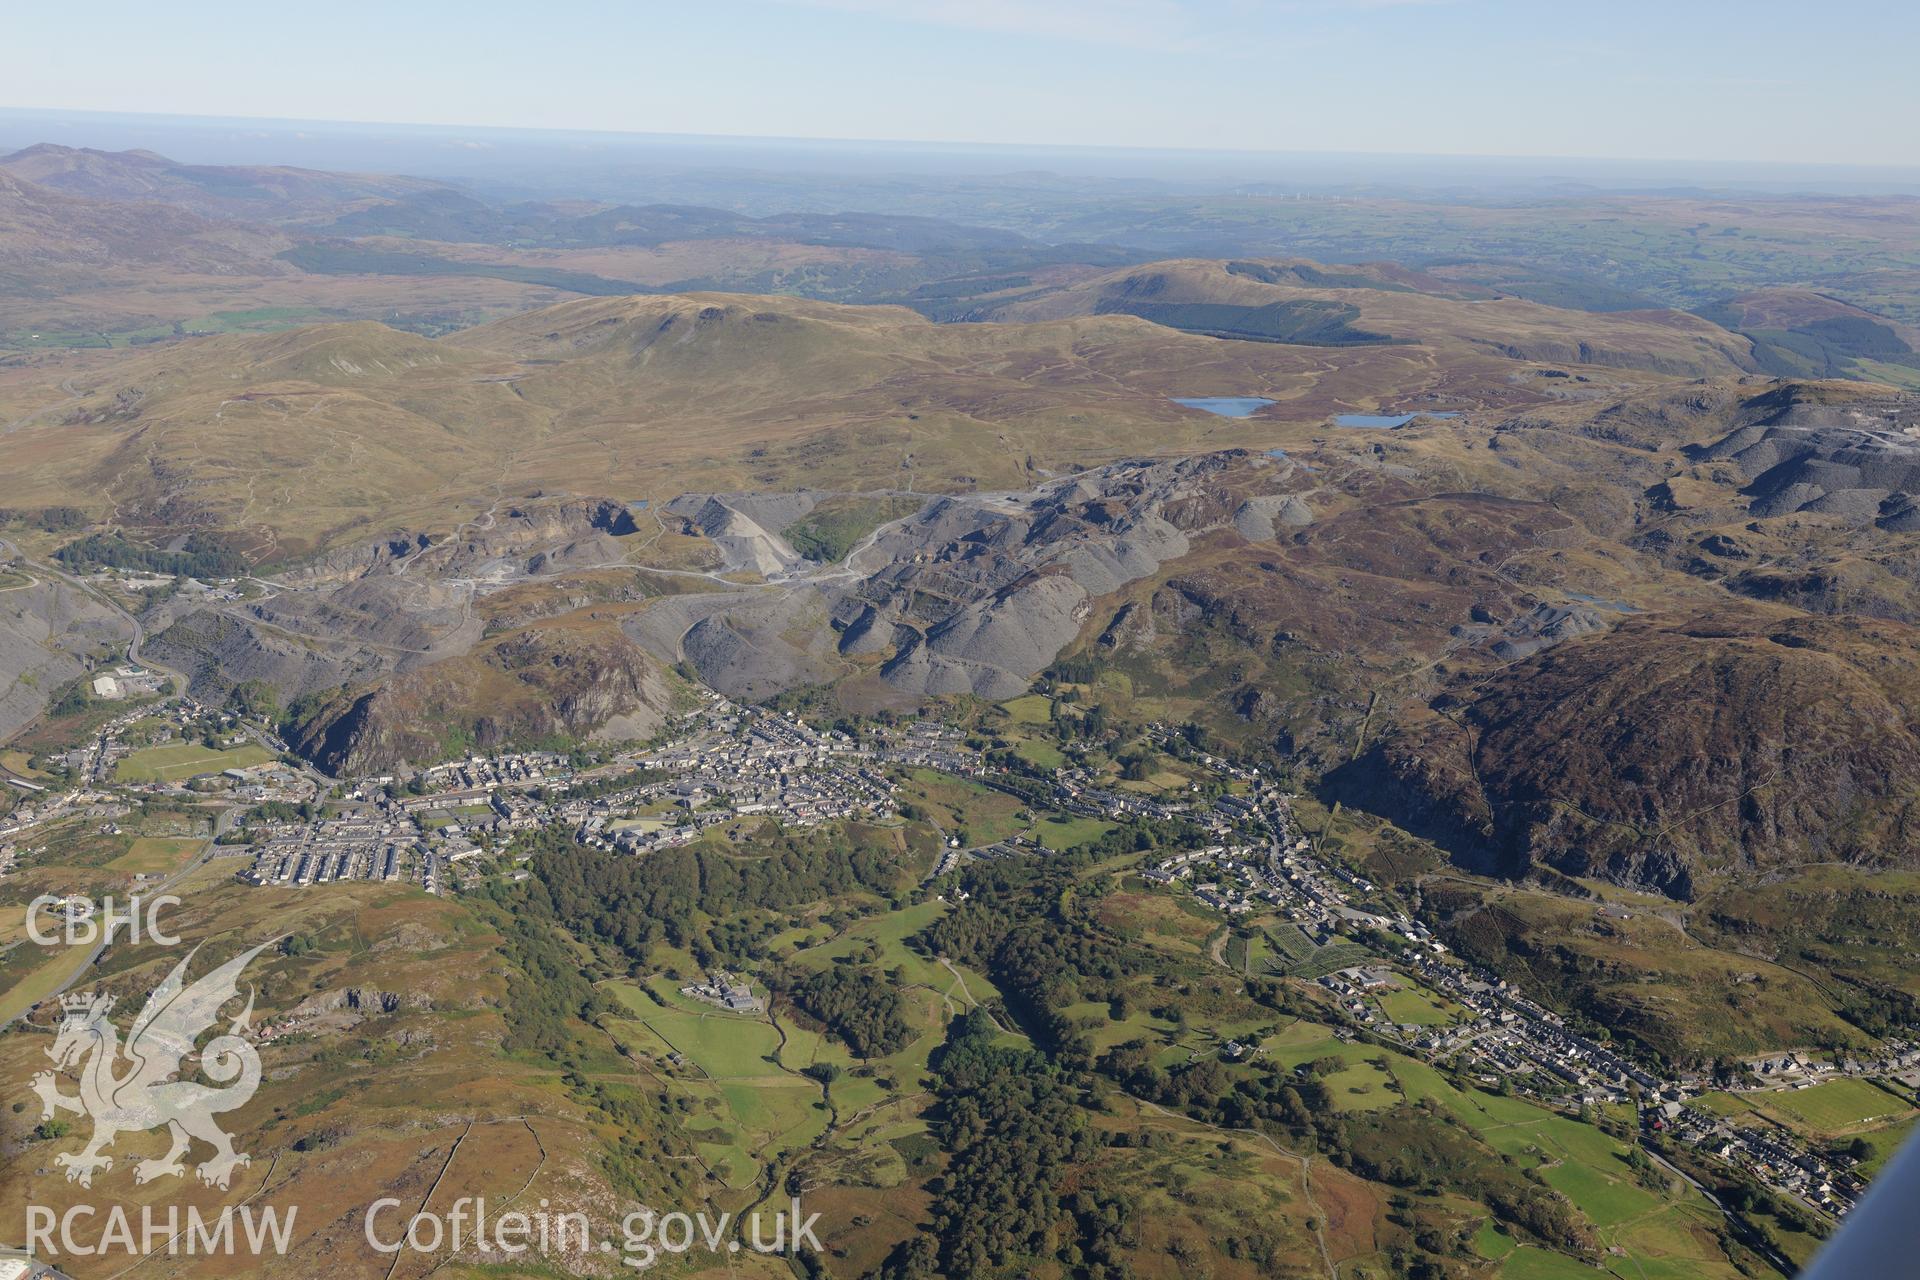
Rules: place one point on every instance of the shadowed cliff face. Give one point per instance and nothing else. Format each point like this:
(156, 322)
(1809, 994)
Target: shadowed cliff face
(1668, 753)
(540, 684)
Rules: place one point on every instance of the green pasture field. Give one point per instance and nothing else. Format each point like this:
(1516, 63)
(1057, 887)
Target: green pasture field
(157, 855)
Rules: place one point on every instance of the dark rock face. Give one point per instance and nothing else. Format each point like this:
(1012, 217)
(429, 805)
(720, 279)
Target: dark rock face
(402, 610)
(1659, 753)
(530, 686)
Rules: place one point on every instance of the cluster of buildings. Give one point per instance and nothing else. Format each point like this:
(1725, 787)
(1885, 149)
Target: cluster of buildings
(126, 681)
(1223, 878)
(928, 744)
(262, 783)
(180, 720)
(727, 991)
(1767, 1154)
(134, 582)
(371, 860)
(45, 806)
(1518, 1036)
(477, 775)
(95, 760)
(1503, 1033)
(1315, 896)
(1077, 791)
(724, 763)
(734, 763)
(1800, 1069)
(361, 844)
(1014, 846)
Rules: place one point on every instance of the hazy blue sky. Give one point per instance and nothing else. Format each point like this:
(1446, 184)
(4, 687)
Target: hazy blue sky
(1686, 79)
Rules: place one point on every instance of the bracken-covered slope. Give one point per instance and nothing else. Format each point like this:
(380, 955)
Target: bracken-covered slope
(1669, 753)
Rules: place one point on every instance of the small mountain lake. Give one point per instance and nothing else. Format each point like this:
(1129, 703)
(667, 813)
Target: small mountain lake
(1383, 419)
(1224, 406)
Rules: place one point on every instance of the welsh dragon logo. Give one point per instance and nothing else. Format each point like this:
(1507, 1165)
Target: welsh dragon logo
(132, 1088)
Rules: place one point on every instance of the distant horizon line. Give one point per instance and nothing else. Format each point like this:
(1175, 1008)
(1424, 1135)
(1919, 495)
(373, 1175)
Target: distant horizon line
(946, 146)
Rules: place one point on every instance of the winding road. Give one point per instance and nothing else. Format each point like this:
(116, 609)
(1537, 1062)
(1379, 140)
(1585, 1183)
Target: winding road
(137, 632)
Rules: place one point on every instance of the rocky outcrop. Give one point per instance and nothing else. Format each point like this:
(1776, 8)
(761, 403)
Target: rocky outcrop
(316, 639)
(534, 685)
(219, 652)
(1544, 626)
(973, 593)
(1263, 518)
(359, 1000)
(978, 594)
(355, 617)
(762, 644)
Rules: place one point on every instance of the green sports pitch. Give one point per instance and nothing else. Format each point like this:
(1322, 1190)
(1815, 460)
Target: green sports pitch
(182, 760)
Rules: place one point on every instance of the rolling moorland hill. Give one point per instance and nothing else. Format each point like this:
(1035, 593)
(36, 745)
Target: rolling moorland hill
(127, 249)
(1542, 661)
(650, 396)
(1804, 333)
(309, 246)
(49, 240)
(1580, 249)
(252, 193)
(1816, 288)
(448, 215)
(1368, 306)
(1724, 690)
(1795, 492)
(924, 263)
(84, 273)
